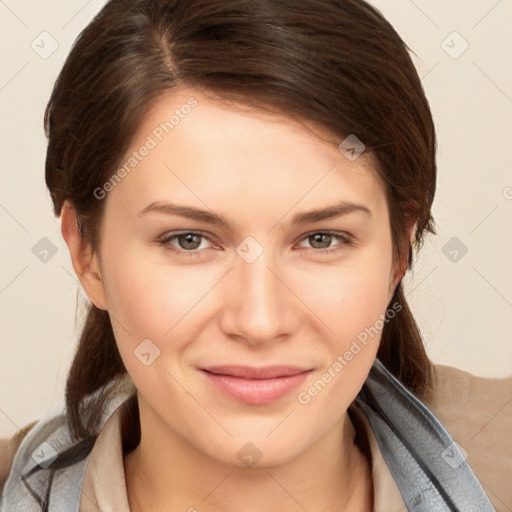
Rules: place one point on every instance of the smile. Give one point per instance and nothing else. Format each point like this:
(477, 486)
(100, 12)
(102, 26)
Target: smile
(256, 391)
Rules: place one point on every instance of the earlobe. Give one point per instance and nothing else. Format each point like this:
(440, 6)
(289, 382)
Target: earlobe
(411, 231)
(85, 262)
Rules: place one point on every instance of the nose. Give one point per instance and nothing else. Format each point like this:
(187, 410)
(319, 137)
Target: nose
(258, 306)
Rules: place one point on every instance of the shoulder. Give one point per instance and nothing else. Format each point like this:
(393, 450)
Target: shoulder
(33, 446)
(8, 448)
(44, 443)
(477, 413)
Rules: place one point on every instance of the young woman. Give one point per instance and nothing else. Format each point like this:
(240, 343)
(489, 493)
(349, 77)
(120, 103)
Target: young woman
(241, 184)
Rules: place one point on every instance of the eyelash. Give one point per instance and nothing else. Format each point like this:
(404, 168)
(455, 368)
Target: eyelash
(344, 238)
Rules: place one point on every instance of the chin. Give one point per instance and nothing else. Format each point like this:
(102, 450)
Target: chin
(241, 452)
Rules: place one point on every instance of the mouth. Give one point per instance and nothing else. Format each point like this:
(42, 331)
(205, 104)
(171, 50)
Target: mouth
(255, 386)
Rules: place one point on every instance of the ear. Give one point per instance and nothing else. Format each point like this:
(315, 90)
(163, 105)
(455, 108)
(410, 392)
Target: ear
(85, 263)
(399, 269)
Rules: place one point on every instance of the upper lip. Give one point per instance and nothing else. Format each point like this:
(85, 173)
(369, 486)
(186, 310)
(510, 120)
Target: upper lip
(252, 372)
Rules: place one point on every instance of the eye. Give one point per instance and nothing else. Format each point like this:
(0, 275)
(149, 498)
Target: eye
(321, 241)
(188, 242)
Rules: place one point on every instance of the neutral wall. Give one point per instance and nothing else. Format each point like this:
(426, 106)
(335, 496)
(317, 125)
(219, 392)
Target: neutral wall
(463, 302)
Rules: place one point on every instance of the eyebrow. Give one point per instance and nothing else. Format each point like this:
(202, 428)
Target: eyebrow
(330, 212)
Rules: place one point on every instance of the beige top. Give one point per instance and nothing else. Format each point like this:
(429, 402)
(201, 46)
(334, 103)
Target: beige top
(104, 486)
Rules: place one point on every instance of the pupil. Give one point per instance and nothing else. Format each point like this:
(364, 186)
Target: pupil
(189, 239)
(319, 236)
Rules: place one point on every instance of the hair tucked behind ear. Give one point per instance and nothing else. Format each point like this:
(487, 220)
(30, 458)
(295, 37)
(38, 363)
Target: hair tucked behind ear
(337, 63)
(97, 361)
(405, 360)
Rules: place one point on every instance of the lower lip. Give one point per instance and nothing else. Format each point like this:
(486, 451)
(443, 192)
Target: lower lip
(256, 391)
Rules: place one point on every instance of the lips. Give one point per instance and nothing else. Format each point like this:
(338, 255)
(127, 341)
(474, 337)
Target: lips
(252, 372)
(255, 386)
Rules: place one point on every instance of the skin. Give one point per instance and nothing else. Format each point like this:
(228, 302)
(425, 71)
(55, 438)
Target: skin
(292, 305)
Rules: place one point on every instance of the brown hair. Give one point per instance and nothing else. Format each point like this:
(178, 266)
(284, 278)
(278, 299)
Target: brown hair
(337, 63)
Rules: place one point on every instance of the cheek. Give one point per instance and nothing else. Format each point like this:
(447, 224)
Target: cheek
(146, 303)
(351, 302)
(151, 298)
(349, 297)
(162, 303)
(357, 322)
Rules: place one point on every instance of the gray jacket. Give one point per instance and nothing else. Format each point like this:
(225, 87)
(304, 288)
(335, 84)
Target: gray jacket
(427, 465)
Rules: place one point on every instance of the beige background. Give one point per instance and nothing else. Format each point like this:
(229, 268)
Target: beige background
(464, 307)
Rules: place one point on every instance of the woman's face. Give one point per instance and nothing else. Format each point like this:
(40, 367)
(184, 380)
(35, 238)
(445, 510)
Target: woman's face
(252, 284)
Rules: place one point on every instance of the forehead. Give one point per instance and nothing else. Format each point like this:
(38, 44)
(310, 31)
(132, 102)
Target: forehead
(196, 148)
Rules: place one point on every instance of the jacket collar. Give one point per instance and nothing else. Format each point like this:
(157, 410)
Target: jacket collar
(428, 467)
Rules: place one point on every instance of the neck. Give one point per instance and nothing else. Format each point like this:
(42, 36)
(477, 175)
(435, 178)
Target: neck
(164, 473)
